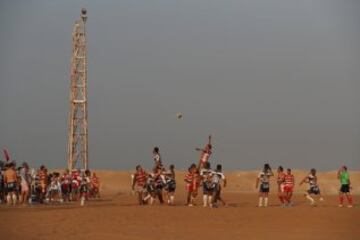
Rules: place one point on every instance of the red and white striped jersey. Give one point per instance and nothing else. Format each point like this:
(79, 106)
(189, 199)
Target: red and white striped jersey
(289, 180)
(205, 155)
(140, 178)
(189, 178)
(281, 178)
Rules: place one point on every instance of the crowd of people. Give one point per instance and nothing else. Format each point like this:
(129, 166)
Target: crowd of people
(22, 185)
(28, 186)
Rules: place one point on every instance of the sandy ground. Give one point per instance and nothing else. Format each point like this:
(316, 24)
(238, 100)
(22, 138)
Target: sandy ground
(116, 216)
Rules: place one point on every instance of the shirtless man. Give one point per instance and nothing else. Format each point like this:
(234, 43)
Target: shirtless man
(43, 181)
(344, 177)
(205, 153)
(10, 180)
(280, 182)
(138, 184)
(25, 182)
(289, 183)
(264, 180)
(314, 188)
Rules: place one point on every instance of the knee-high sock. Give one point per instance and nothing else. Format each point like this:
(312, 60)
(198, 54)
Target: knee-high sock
(205, 200)
(341, 199)
(266, 199)
(210, 201)
(172, 199)
(260, 201)
(192, 200)
(8, 199)
(349, 198)
(14, 198)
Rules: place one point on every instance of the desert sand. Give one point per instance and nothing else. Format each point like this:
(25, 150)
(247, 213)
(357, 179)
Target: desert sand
(116, 215)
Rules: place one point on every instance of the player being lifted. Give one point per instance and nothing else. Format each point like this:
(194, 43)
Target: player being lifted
(264, 180)
(157, 157)
(344, 177)
(205, 153)
(314, 189)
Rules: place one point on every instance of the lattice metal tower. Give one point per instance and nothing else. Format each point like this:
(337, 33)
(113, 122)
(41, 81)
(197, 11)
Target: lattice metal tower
(78, 122)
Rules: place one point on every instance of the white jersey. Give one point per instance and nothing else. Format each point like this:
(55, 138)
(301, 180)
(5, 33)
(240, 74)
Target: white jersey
(218, 177)
(157, 158)
(312, 180)
(264, 177)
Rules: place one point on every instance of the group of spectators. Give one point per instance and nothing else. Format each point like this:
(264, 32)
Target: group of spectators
(20, 184)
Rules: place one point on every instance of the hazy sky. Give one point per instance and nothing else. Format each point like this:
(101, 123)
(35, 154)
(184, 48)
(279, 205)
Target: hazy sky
(273, 80)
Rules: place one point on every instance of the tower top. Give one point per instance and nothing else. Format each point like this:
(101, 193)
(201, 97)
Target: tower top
(83, 14)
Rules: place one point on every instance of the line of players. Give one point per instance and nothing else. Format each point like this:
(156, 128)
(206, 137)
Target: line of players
(286, 184)
(30, 186)
(151, 186)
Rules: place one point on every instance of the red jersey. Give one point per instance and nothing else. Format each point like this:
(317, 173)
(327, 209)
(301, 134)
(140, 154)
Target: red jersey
(281, 178)
(65, 179)
(75, 179)
(140, 178)
(289, 180)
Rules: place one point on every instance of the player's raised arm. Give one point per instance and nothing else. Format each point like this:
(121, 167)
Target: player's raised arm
(271, 172)
(338, 172)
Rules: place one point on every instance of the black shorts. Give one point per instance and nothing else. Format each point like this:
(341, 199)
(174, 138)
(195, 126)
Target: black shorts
(345, 188)
(84, 189)
(264, 188)
(170, 186)
(150, 188)
(209, 188)
(314, 190)
(11, 187)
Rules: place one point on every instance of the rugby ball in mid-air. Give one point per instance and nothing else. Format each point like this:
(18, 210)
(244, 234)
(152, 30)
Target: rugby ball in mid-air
(179, 115)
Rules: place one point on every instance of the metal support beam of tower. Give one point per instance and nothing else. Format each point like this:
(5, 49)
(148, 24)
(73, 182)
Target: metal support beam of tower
(78, 117)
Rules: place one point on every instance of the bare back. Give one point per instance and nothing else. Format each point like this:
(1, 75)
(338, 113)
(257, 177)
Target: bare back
(10, 176)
